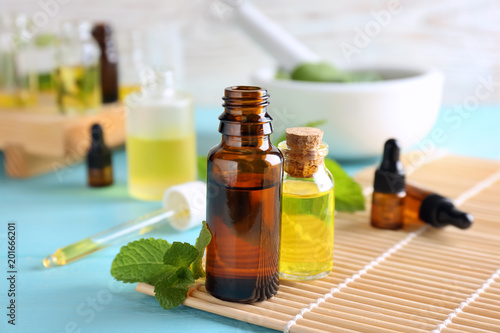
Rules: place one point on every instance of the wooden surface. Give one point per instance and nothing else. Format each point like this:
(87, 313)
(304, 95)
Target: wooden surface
(418, 279)
(37, 141)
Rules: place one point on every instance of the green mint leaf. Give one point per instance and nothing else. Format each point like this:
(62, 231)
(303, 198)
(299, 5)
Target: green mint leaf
(140, 261)
(172, 290)
(166, 270)
(348, 193)
(180, 254)
(201, 243)
(318, 72)
(202, 167)
(317, 123)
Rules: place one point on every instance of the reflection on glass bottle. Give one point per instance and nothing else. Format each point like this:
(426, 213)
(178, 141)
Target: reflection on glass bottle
(18, 81)
(161, 144)
(77, 74)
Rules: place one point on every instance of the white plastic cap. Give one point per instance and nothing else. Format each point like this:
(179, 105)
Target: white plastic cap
(189, 202)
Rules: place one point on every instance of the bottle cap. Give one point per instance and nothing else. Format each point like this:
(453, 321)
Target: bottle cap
(390, 175)
(189, 202)
(98, 156)
(439, 212)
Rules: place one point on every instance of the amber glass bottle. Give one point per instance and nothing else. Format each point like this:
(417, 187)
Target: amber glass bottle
(100, 170)
(429, 207)
(389, 190)
(103, 34)
(244, 177)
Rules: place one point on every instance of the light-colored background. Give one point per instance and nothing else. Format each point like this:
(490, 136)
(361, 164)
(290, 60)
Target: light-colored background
(462, 37)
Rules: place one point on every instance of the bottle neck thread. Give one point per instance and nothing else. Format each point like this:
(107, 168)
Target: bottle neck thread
(245, 112)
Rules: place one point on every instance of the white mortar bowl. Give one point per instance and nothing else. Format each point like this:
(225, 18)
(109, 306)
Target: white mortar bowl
(359, 116)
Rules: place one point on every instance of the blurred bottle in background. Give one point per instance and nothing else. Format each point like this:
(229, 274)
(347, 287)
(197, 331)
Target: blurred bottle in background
(103, 34)
(77, 74)
(18, 80)
(161, 145)
(44, 53)
(131, 63)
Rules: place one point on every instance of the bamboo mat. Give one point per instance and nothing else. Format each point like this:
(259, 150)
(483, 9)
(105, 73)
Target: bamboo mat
(418, 279)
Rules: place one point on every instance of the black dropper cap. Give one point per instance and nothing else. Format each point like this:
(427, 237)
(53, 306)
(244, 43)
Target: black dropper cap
(439, 211)
(390, 176)
(98, 156)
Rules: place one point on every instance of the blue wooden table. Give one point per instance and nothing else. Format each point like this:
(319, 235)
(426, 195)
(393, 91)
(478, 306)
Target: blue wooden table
(56, 209)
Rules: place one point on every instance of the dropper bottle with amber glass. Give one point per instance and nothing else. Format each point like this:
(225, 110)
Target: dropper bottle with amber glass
(389, 189)
(244, 175)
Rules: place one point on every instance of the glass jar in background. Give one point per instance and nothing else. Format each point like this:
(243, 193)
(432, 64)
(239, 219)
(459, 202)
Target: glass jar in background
(77, 79)
(44, 52)
(161, 144)
(18, 79)
(131, 63)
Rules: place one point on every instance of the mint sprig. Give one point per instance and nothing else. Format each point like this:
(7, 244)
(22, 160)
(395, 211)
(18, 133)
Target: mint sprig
(171, 268)
(348, 193)
(201, 243)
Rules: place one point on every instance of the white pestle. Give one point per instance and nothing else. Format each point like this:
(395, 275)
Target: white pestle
(289, 52)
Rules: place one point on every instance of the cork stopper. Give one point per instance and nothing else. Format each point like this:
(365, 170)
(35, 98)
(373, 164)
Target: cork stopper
(302, 156)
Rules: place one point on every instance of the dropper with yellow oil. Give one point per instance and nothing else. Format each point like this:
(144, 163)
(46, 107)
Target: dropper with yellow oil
(183, 207)
(308, 207)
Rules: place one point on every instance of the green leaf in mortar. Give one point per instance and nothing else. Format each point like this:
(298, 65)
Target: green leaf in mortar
(318, 72)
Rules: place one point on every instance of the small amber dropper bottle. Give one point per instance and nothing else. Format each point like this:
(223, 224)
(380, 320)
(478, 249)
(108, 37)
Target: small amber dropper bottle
(244, 176)
(100, 171)
(389, 190)
(434, 209)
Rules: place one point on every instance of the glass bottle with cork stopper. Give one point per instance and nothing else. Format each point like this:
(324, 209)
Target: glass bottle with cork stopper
(244, 174)
(389, 190)
(308, 206)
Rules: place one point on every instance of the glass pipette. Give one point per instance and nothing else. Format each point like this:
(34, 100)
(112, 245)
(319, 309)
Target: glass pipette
(184, 207)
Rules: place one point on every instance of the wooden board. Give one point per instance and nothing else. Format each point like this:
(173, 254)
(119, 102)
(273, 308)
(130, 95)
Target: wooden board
(418, 279)
(38, 141)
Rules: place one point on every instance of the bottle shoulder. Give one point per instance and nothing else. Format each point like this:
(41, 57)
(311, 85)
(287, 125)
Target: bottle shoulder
(220, 151)
(321, 181)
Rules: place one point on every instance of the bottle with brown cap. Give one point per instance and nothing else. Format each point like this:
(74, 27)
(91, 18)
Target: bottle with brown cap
(103, 34)
(389, 189)
(308, 206)
(244, 174)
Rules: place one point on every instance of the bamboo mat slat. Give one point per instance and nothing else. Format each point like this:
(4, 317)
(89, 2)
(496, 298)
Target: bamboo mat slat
(418, 279)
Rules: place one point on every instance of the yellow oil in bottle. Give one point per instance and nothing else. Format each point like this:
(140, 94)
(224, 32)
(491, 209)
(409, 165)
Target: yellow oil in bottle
(19, 99)
(306, 231)
(155, 165)
(8, 100)
(78, 89)
(72, 252)
(125, 90)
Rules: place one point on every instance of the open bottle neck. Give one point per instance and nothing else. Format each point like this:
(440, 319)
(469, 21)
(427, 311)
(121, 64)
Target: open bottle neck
(245, 121)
